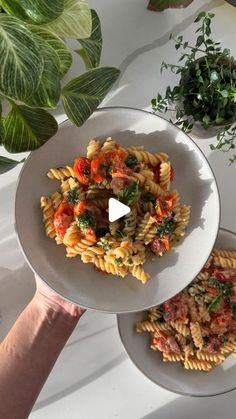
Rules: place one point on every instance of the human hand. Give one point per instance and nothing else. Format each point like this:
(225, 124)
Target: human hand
(48, 299)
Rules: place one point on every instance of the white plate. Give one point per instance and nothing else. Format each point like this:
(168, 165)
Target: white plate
(81, 283)
(173, 376)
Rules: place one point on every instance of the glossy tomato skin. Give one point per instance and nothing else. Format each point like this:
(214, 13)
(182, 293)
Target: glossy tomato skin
(82, 169)
(63, 217)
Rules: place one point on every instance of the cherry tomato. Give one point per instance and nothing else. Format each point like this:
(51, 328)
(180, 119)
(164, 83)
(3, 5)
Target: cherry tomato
(99, 168)
(63, 217)
(82, 170)
(80, 208)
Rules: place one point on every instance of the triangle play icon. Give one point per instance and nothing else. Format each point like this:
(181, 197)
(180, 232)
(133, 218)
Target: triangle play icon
(116, 209)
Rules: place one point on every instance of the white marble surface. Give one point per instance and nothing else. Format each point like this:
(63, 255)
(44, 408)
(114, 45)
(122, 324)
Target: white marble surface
(93, 377)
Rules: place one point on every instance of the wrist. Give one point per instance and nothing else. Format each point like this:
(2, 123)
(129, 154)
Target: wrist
(54, 309)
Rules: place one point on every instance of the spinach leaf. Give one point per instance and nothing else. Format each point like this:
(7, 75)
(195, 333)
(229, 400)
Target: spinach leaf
(215, 303)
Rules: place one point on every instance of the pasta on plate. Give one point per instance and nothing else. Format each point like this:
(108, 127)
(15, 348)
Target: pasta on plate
(77, 215)
(198, 326)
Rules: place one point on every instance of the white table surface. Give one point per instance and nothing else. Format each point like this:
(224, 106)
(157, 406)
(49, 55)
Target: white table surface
(94, 378)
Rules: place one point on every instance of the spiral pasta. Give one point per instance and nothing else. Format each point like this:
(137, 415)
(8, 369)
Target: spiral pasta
(197, 327)
(61, 173)
(76, 216)
(48, 213)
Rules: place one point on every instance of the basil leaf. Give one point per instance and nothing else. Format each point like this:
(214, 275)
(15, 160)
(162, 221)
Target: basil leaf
(129, 193)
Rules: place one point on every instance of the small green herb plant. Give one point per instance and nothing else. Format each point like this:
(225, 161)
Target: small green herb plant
(34, 58)
(207, 88)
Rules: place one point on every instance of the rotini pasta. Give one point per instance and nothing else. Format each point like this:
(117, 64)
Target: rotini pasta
(198, 326)
(77, 215)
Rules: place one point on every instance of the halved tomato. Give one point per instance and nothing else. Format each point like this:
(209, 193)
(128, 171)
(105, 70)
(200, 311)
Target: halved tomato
(63, 217)
(82, 169)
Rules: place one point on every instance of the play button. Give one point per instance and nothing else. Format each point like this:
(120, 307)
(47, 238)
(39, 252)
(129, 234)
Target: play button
(116, 209)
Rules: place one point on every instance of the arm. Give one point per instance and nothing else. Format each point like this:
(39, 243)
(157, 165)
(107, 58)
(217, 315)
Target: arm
(30, 350)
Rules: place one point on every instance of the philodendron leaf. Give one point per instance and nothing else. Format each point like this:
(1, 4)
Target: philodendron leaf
(38, 11)
(74, 22)
(8, 164)
(63, 52)
(21, 62)
(82, 95)
(27, 128)
(48, 92)
(92, 47)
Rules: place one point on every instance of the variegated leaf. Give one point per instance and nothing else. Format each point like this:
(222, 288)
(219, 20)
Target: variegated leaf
(38, 11)
(58, 45)
(82, 95)
(92, 47)
(27, 128)
(8, 164)
(48, 92)
(74, 22)
(21, 62)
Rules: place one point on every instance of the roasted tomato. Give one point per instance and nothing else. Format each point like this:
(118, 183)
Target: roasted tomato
(63, 217)
(166, 344)
(160, 245)
(100, 168)
(82, 170)
(165, 207)
(175, 309)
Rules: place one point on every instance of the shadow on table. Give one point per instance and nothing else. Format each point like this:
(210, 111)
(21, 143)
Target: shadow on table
(195, 408)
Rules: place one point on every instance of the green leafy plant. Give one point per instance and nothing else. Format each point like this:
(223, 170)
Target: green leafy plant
(34, 58)
(207, 88)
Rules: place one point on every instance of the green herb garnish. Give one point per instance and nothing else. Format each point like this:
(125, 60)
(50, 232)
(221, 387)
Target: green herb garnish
(130, 261)
(214, 282)
(129, 193)
(215, 303)
(118, 261)
(85, 220)
(73, 196)
(222, 339)
(166, 227)
(105, 245)
(131, 161)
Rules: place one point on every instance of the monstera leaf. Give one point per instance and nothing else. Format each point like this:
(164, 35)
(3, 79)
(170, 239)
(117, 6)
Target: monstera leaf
(82, 95)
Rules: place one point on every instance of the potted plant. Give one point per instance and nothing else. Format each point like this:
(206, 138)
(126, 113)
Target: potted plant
(34, 58)
(205, 97)
(160, 5)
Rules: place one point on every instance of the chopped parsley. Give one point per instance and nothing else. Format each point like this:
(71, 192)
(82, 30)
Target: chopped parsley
(215, 303)
(73, 195)
(86, 170)
(105, 245)
(131, 161)
(214, 282)
(85, 220)
(118, 261)
(166, 227)
(222, 339)
(129, 193)
(130, 261)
